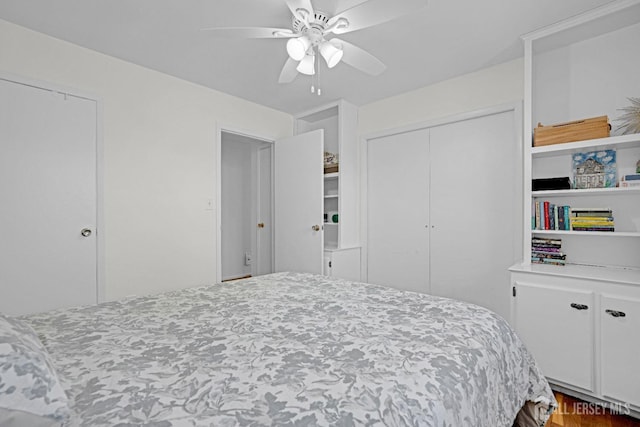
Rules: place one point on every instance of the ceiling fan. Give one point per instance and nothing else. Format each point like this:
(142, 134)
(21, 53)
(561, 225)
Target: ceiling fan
(312, 34)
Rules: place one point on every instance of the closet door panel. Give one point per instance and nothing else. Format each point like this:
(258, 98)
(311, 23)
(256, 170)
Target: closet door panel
(474, 209)
(398, 210)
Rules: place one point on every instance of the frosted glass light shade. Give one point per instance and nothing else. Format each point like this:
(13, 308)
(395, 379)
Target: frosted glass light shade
(297, 48)
(331, 53)
(306, 66)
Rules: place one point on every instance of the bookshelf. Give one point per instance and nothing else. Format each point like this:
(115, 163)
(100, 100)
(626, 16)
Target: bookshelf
(579, 68)
(338, 120)
(555, 160)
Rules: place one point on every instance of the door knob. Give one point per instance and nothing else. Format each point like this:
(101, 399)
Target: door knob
(261, 225)
(315, 227)
(86, 232)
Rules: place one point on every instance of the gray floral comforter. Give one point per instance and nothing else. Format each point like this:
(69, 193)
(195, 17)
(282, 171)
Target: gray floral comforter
(290, 349)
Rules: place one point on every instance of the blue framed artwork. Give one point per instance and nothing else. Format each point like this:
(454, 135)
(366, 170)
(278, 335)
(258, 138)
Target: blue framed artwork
(594, 169)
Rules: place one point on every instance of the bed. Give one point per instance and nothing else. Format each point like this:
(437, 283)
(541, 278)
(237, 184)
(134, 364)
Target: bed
(286, 349)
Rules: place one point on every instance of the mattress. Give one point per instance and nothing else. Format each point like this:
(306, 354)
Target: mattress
(291, 349)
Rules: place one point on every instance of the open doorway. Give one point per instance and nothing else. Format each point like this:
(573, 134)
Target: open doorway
(246, 209)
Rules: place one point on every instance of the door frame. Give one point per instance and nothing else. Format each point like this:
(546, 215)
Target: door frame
(515, 106)
(99, 225)
(220, 129)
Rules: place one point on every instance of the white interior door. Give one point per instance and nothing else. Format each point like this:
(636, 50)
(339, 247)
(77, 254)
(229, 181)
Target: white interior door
(48, 188)
(264, 237)
(398, 210)
(298, 193)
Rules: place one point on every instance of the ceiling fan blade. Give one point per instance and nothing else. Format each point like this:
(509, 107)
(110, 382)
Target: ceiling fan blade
(296, 5)
(289, 71)
(251, 32)
(373, 12)
(360, 58)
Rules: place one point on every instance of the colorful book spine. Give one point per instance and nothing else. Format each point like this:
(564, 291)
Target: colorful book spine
(545, 206)
(547, 251)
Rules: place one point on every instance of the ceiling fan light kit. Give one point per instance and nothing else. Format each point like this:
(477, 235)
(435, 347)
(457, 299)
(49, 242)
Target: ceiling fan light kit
(311, 30)
(297, 48)
(332, 53)
(307, 65)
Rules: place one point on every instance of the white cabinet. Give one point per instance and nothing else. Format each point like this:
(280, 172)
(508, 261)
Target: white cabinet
(582, 327)
(338, 122)
(570, 316)
(620, 348)
(557, 325)
(343, 263)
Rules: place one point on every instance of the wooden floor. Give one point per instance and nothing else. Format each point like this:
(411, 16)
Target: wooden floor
(573, 412)
(237, 278)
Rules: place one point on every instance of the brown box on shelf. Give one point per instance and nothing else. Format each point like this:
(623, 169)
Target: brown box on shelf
(579, 130)
(331, 168)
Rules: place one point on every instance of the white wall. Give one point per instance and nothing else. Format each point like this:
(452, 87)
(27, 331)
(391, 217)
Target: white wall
(159, 136)
(489, 87)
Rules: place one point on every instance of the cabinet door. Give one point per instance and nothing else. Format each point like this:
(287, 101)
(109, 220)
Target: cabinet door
(298, 194)
(345, 263)
(557, 326)
(620, 347)
(398, 210)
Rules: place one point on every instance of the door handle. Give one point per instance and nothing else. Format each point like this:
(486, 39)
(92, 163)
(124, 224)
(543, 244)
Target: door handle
(261, 225)
(616, 313)
(86, 232)
(579, 306)
(315, 227)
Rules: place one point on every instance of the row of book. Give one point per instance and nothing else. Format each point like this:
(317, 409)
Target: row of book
(548, 216)
(547, 251)
(592, 220)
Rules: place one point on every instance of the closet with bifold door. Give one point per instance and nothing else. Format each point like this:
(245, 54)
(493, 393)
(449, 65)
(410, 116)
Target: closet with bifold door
(443, 209)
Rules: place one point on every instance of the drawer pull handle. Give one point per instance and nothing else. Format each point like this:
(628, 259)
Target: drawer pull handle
(615, 313)
(579, 306)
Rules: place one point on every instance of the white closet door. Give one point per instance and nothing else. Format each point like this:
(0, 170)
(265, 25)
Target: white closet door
(299, 201)
(398, 211)
(475, 209)
(48, 188)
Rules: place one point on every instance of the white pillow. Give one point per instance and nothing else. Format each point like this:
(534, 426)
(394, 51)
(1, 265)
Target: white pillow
(30, 393)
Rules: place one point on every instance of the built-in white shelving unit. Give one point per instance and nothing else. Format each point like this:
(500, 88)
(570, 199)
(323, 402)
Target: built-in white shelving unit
(577, 318)
(339, 122)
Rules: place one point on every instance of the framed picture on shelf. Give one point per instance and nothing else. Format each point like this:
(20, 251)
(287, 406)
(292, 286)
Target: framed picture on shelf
(594, 169)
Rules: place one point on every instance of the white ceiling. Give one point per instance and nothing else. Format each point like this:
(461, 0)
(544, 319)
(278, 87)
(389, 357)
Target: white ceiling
(448, 38)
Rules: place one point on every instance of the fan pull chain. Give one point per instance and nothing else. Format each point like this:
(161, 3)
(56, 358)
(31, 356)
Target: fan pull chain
(313, 52)
(318, 74)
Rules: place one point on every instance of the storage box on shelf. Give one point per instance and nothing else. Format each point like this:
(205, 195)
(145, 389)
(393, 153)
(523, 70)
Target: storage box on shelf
(569, 316)
(578, 130)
